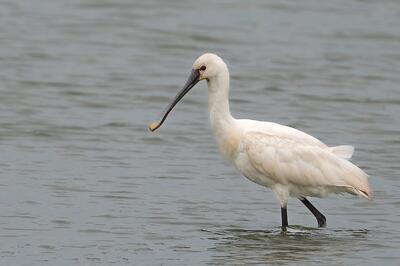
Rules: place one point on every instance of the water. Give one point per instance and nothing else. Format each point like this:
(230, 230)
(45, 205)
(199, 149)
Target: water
(84, 183)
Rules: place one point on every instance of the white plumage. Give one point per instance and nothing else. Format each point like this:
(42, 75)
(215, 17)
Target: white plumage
(290, 162)
(297, 162)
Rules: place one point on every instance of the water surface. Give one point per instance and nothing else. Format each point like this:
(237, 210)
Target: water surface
(84, 183)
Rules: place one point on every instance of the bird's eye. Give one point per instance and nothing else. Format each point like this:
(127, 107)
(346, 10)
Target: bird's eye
(202, 68)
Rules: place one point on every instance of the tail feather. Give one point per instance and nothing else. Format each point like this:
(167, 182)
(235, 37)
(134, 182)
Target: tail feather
(343, 151)
(355, 179)
(365, 194)
(352, 190)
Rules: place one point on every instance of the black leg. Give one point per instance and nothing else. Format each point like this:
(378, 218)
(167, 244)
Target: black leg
(284, 218)
(320, 217)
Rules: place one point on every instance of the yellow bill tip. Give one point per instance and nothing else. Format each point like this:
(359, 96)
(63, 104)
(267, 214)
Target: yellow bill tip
(152, 126)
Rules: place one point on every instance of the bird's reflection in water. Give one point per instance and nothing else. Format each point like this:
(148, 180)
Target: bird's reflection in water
(298, 244)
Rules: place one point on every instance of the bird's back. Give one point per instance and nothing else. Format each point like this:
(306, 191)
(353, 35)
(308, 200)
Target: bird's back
(284, 132)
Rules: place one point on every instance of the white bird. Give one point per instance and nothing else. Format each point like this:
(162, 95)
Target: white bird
(290, 162)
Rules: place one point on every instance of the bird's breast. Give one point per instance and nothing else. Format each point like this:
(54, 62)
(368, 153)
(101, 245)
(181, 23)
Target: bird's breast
(228, 145)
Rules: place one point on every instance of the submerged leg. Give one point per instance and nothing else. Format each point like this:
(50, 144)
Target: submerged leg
(284, 218)
(320, 217)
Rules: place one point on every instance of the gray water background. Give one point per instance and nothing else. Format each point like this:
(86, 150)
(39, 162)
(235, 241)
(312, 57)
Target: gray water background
(82, 181)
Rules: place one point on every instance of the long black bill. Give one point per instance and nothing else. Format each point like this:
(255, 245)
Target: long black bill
(192, 80)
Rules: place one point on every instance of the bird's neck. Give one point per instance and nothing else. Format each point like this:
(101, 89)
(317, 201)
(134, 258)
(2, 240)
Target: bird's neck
(218, 102)
(221, 120)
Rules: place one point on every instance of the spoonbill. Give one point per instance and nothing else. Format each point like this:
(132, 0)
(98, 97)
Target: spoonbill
(289, 161)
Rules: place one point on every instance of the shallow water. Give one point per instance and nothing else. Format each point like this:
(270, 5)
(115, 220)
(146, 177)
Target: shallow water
(83, 182)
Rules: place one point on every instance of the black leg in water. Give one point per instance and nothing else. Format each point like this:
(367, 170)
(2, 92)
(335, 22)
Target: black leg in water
(320, 217)
(284, 218)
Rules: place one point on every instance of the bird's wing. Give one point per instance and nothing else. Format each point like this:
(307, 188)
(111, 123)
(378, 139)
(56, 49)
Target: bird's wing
(292, 162)
(282, 131)
(343, 151)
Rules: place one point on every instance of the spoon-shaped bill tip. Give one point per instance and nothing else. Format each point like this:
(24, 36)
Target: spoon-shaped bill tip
(153, 126)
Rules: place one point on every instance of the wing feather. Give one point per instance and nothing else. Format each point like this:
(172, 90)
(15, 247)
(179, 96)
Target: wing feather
(292, 162)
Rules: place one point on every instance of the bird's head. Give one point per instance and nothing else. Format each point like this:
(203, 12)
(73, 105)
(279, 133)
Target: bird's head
(207, 66)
